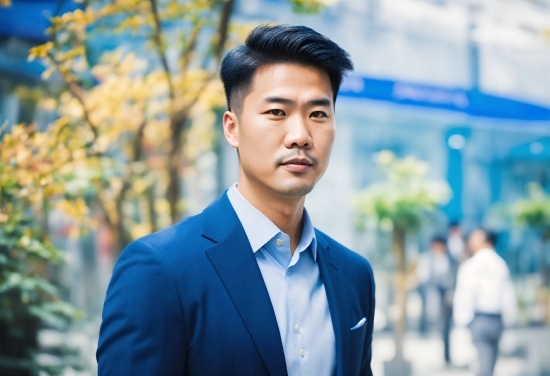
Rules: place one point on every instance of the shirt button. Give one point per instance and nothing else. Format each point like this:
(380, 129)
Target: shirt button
(280, 242)
(302, 352)
(287, 272)
(297, 328)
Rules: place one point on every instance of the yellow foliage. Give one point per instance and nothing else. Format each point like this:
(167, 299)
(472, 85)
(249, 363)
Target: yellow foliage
(40, 51)
(113, 135)
(75, 210)
(140, 229)
(36, 166)
(162, 206)
(140, 186)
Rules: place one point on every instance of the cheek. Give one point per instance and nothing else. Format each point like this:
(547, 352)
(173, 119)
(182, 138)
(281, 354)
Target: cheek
(324, 142)
(257, 146)
(261, 136)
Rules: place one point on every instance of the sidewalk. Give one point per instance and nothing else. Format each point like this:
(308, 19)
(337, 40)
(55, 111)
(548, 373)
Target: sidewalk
(523, 352)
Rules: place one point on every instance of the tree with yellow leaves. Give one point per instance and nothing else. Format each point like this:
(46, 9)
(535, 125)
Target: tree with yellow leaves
(137, 108)
(142, 112)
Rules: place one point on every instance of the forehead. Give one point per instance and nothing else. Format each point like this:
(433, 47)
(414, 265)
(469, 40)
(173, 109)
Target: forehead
(292, 80)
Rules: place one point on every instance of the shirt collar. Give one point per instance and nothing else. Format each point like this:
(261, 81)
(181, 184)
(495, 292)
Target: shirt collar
(484, 250)
(259, 229)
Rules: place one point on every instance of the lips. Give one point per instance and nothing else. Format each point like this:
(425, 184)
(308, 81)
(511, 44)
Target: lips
(297, 164)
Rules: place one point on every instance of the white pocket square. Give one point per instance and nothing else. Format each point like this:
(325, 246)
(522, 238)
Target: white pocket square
(359, 324)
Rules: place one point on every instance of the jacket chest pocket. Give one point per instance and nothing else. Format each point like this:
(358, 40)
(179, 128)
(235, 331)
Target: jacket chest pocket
(358, 336)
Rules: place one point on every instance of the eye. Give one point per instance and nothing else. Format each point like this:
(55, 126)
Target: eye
(318, 114)
(276, 112)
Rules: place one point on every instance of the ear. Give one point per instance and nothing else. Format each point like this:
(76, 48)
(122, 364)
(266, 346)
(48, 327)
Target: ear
(231, 128)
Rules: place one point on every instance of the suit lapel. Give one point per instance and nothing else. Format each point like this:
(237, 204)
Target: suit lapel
(338, 302)
(234, 261)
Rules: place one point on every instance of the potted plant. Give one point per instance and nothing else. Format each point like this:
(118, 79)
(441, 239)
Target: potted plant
(399, 204)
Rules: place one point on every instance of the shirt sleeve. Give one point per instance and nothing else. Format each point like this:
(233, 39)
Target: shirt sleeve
(463, 304)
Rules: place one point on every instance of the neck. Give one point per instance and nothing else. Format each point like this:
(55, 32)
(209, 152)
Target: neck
(285, 212)
(488, 247)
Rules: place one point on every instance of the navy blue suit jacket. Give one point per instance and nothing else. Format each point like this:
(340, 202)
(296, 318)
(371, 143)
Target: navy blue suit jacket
(191, 300)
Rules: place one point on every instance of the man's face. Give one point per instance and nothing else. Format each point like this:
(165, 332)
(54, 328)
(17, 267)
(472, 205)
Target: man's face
(285, 131)
(439, 247)
(476, 241)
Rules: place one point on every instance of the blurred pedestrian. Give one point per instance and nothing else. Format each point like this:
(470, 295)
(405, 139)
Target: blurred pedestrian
(436, 275)
(485, 299)
(455, 243)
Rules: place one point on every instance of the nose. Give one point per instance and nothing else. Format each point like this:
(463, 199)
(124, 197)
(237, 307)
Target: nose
(298, 134)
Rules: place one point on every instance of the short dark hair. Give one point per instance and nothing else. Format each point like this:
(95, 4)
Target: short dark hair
(453, 224)
(439, 239)
(280, 44)
(490, 236)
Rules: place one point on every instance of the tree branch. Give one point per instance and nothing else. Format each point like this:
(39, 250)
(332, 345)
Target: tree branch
(190, 48)
(223, 28)
(157, 38)
(137, 151)
(78, 92)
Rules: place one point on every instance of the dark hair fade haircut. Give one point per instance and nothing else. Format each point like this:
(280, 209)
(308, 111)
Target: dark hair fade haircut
(490, 236)
(276, 45)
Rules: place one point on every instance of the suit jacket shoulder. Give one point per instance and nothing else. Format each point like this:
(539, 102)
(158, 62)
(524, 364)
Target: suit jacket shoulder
(356, 265)
(179, 237)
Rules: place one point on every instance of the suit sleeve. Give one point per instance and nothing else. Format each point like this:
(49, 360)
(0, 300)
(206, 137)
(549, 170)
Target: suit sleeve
(367, 348)
(142, 332)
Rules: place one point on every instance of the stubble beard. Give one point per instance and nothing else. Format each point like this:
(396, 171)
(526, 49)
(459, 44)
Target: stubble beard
(293, 190)
(298, 189)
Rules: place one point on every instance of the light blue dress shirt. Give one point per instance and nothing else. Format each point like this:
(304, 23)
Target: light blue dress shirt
(295, 288)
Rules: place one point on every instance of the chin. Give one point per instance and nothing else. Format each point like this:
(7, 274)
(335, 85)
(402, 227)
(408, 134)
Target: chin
(294, 190)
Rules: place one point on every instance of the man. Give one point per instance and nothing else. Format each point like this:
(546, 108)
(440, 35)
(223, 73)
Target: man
(249, 287)
(436, 275)
(484, 299)
(455, 243)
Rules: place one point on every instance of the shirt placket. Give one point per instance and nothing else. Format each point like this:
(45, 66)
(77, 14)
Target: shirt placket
(295, 324)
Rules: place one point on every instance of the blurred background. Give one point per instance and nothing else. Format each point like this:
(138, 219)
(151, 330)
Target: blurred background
(110, 128)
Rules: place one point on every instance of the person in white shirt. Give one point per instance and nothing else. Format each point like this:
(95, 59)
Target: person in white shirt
(485, 299)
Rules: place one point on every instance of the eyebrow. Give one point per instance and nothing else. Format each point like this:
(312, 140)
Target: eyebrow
(312, 103)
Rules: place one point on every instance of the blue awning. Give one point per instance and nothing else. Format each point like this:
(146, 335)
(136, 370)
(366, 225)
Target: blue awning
(29, 19)
(470, 102)
(534, 151)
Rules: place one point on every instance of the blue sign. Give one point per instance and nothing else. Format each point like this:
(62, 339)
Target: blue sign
(467, 101)
(29, 19)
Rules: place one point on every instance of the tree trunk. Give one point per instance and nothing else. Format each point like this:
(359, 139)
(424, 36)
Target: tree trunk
(153, 218)
(175, 157)
(545, 274)
(545, 261)
(120, 236)
(178, 121)
(398, 249)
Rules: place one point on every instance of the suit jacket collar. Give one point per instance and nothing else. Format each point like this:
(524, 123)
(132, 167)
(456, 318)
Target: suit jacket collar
(235, 263)
(219, 219)
(232, 257)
